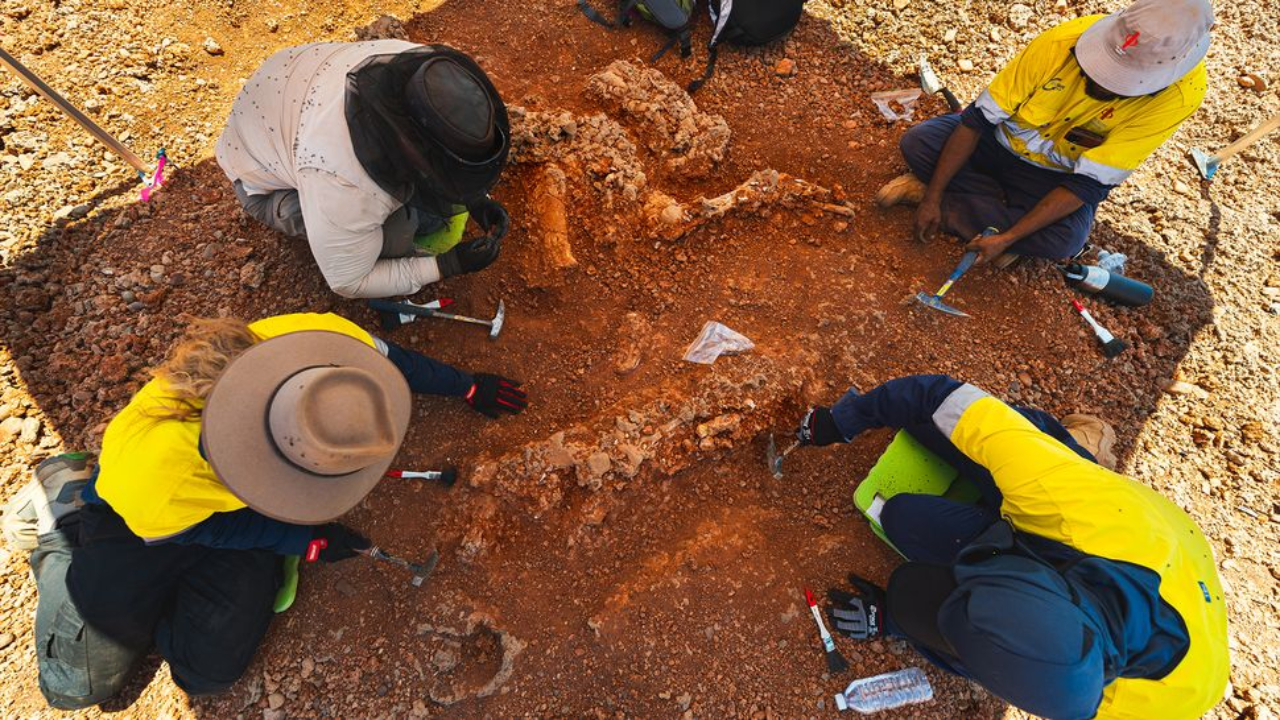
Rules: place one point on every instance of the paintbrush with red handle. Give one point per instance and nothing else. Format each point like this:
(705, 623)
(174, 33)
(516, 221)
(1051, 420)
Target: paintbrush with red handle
(835, 661)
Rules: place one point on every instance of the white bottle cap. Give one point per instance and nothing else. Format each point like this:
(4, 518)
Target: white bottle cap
(841, 703)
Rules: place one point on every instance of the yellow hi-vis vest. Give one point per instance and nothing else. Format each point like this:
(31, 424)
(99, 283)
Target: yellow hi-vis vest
(1038, 100)
(1052, 492)
(150, 470)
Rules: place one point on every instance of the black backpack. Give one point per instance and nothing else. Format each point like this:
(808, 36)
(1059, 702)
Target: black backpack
(748, 22)
(673, 15)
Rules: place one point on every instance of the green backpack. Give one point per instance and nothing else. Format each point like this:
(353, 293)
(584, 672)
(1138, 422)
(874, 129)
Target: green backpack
(674, 16)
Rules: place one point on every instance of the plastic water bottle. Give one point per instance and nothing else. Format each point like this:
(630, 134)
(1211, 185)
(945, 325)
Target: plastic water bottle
(885, 692)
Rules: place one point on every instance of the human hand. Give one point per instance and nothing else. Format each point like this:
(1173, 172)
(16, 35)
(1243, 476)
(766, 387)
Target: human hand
(990, 247)
(494, 394)
(859, 615)
(333, 542)
(928, 218)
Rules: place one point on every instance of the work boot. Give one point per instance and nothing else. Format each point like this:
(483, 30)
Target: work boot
(1094, 435)
(52, 495)
(902, 190)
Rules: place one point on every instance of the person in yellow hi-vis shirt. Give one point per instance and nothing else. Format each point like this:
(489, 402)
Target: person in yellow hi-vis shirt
(248, 444)
(1072, 116)
(1069, 590)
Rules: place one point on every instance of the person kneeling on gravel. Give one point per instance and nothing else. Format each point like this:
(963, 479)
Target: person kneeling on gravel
(247, 445)
(1071, 117)
(1068, 590)
(374, 152)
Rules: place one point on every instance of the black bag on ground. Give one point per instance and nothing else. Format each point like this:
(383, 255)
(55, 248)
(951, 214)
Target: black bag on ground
(748, 22)
(674, 16)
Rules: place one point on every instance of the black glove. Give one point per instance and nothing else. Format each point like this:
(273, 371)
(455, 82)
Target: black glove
(494, 394)
(490, 215)
(333, 541)
(478, 254)
(818, 428)
(860, 616)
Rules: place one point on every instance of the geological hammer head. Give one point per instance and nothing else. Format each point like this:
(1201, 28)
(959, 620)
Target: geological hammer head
(774, 458)
(1207, 164)
(495, 327)
(422, 571)
(929, 81)
(936, 303)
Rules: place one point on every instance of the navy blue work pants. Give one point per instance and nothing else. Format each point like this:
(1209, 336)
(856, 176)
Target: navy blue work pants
(995, 189)
(931, 529)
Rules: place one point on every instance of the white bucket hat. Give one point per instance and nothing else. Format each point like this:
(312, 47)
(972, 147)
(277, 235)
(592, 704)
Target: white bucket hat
(1146, 47)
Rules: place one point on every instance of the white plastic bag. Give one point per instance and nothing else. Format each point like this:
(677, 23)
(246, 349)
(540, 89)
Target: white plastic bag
(715, 340)
(1112, 262)
(906, 99)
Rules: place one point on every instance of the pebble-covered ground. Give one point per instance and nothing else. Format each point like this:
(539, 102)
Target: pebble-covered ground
(682, 574)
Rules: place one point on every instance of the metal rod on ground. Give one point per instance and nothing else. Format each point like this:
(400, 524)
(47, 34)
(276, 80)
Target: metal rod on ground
(104, 137)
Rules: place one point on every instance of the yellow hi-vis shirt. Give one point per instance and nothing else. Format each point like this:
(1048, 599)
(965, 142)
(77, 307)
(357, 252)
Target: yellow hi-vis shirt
(1043, 115)
(150, 470)
(1052, 492)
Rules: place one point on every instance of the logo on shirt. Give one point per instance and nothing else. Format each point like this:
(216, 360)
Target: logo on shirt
(1106, 114)
(1053, 84)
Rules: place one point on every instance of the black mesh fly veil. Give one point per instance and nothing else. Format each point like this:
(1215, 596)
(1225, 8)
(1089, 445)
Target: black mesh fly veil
(400, 152)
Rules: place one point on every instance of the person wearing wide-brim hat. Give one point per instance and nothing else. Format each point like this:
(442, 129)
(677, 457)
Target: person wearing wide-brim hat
(1067, 589)
(248, 444)
(376, 153)
(1069, 118)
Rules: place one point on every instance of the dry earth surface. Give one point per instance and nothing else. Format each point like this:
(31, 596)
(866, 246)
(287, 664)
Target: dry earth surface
(619, 550)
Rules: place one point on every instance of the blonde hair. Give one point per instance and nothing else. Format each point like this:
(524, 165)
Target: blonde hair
(206, 349)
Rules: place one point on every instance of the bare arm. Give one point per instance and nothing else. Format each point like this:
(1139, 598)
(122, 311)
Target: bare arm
(1059, 203)
(959, 148)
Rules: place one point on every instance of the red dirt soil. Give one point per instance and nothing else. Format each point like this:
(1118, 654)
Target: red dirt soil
(647, 596)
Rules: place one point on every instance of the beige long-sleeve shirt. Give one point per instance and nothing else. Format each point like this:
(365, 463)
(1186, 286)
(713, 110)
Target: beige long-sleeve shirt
(288, 129)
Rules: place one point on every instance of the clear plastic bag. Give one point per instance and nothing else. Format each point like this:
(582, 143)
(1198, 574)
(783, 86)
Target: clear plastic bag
(715, 340)
(906, 99)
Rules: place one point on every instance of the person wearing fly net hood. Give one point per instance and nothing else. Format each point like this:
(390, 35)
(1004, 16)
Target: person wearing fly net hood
(375, 152)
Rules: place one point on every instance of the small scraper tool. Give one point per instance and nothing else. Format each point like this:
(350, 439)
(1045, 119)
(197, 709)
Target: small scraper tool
(935, 300)
(775, 458)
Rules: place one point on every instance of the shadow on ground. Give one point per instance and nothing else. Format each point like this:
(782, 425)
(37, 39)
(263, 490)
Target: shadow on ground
(101, 299)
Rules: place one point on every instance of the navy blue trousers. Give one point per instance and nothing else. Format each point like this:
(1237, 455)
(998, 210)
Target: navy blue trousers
(931, 529)
(995, 189)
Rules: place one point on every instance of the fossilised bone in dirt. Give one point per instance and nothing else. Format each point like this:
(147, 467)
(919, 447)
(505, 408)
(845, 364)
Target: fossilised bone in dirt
(692, 142)
(510, 646)
(631, 343)
(733, 406)
(672, 220)
(593, 146)
(551, 214)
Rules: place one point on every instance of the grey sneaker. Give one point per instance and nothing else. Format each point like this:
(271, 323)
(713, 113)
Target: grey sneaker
(52, 494)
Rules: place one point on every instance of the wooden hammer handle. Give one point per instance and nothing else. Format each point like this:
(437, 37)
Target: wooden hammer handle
(1250, 138)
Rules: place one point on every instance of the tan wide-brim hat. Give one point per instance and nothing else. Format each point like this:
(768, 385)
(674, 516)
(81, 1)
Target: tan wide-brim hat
(1146, 47)
(302, 426)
